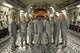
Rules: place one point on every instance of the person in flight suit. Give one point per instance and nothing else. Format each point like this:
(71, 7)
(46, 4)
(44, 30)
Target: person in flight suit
(52, 21)
(35, 30)
(39, 30)
(31, 31)
(23, 30)
(64, 28)
(48, 30)
(56, 30)
(14, 32)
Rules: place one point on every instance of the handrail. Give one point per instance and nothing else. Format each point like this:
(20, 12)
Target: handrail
(4, 46)
(5, 39)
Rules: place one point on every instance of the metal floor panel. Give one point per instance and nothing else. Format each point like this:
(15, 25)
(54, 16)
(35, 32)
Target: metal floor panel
(73, 47)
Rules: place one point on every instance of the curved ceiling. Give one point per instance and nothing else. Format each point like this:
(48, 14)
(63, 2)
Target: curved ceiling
(49, 1)
(42, 3)
(46, 4)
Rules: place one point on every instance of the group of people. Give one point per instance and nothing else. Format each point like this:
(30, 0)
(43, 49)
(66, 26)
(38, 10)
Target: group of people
(41, 30)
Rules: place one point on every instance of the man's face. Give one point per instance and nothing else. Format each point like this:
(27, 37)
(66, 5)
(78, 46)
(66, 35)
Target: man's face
(23, 19)
(62, 17)
(55, 17)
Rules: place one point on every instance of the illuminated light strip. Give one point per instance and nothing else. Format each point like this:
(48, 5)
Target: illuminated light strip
(78, 6)
(21, 11)
(8, 5)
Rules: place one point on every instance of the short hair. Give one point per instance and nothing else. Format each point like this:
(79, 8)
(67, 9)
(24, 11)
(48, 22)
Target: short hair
(13, 17)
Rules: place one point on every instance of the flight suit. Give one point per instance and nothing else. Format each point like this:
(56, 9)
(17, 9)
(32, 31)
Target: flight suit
(14, 32)
(64, 27)
(31, 32)
(48, 29)
(52, 22)
(23, 32)
(35, 34)
(39, 30)
(56, 31)
(35, 22)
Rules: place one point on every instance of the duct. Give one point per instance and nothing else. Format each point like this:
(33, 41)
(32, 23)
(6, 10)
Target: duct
(68, 3)
(17, 4)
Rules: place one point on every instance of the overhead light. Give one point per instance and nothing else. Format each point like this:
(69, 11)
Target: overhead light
(63, 10)
(21, 10)
(8, 5)
(78, 6)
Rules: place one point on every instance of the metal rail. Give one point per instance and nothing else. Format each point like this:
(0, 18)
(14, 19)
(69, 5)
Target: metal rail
(4, 42)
